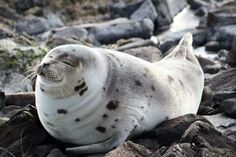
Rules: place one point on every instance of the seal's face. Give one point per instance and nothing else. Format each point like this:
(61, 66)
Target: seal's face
(56, 69)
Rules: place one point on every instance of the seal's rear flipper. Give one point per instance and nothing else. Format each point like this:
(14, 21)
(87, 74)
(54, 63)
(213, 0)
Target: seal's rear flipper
(184, 49)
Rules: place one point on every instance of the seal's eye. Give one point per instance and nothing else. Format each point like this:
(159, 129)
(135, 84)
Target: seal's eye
(68, 63)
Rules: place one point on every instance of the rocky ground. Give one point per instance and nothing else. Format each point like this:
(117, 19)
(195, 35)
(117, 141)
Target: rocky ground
(29, 28)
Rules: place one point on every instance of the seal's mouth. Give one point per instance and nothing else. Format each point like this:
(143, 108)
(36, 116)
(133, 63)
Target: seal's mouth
(49, 73)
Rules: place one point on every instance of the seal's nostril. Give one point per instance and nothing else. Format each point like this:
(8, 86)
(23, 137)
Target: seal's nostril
(46, 64)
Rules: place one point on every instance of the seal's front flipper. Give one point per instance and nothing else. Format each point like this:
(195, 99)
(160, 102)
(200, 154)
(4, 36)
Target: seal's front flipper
(102, 147)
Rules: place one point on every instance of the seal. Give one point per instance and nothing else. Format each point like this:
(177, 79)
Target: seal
(96, 98)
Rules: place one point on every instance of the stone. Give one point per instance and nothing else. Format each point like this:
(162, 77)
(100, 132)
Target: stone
(228, 107)
(117, 29)
(199, 37)
(148, 53)
(2, 99)
(208, 65)
(32, 25)
(208, 140)
(222, 55)
(231, 57)
(146, 10)
(22, 5)
(20, 99)
(124, 9)
(54, 20)
(171, 131)
(9, 13)
(56, 153)
(11, 110)
(43, 150)
(213, 46)
(129, 149)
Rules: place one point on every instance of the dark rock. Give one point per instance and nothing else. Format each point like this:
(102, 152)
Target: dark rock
(212, 46)
(146, 10)
(167, 46)
(32, 25)
(231, 57)
(224, 35)
(208, 65)
(206, 106)
(167, 10)
(222, 16)
(208, 141)
(196, 4)
(224, 81)
(22, 133)
(199, 37)
(124, 9)
(22, 5)
(56, 153)
(129, 149)
(172, 130)
(20, 99)
(222, 55)
(10, 111)
(228, 106)
(230, 134)
(150, 144)
(148, 53)
(114, 30)
(2, 99)
(8, 13)
(43, 150)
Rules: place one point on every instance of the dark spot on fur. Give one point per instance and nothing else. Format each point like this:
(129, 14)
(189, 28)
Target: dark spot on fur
(77, 88)
(138, 83)
(146, 96)
(62, 111)
(117, 90)
(150, 96)
(45, 114)
(153, 88)
(149, 104)
(73, 50)
(42, 89)
(135, 126)
(82, 91)
(145, 75)
(113, 126)
(101, 129)
(104, 88)
(50, 56)
(116, 120)
(132, 121)
(142, 107)
(112, 105)
(142, 118)
(182, 84)
(126, 130)
(77, 119)
(170, 79)
(50, 124)
(105, 116)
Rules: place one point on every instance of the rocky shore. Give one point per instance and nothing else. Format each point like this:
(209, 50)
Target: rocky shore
(146, 29)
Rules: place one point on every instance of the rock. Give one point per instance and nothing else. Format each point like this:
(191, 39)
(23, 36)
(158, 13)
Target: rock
(146, 10)
(208, 65)
(124, 9)
(129, 149)
(222, 55)
(171, 131)
(167, 10)
(124, 44)
(2, 99)
(20, 99)
(224, 81)
(11, 110)
(231, 57)
(228, 106)
(12, 82)
(196, 4)
(9, 13)
(54, 20)
(148, 53)
(166, 46)
(32, 25)
(212, 46)
(56, 153)
(22, 5)
(114, 30)
(207, 105)
(42, 150)
(222, 122)
(199, 37)
(22, 133)
(222, 16)
(209, 141)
